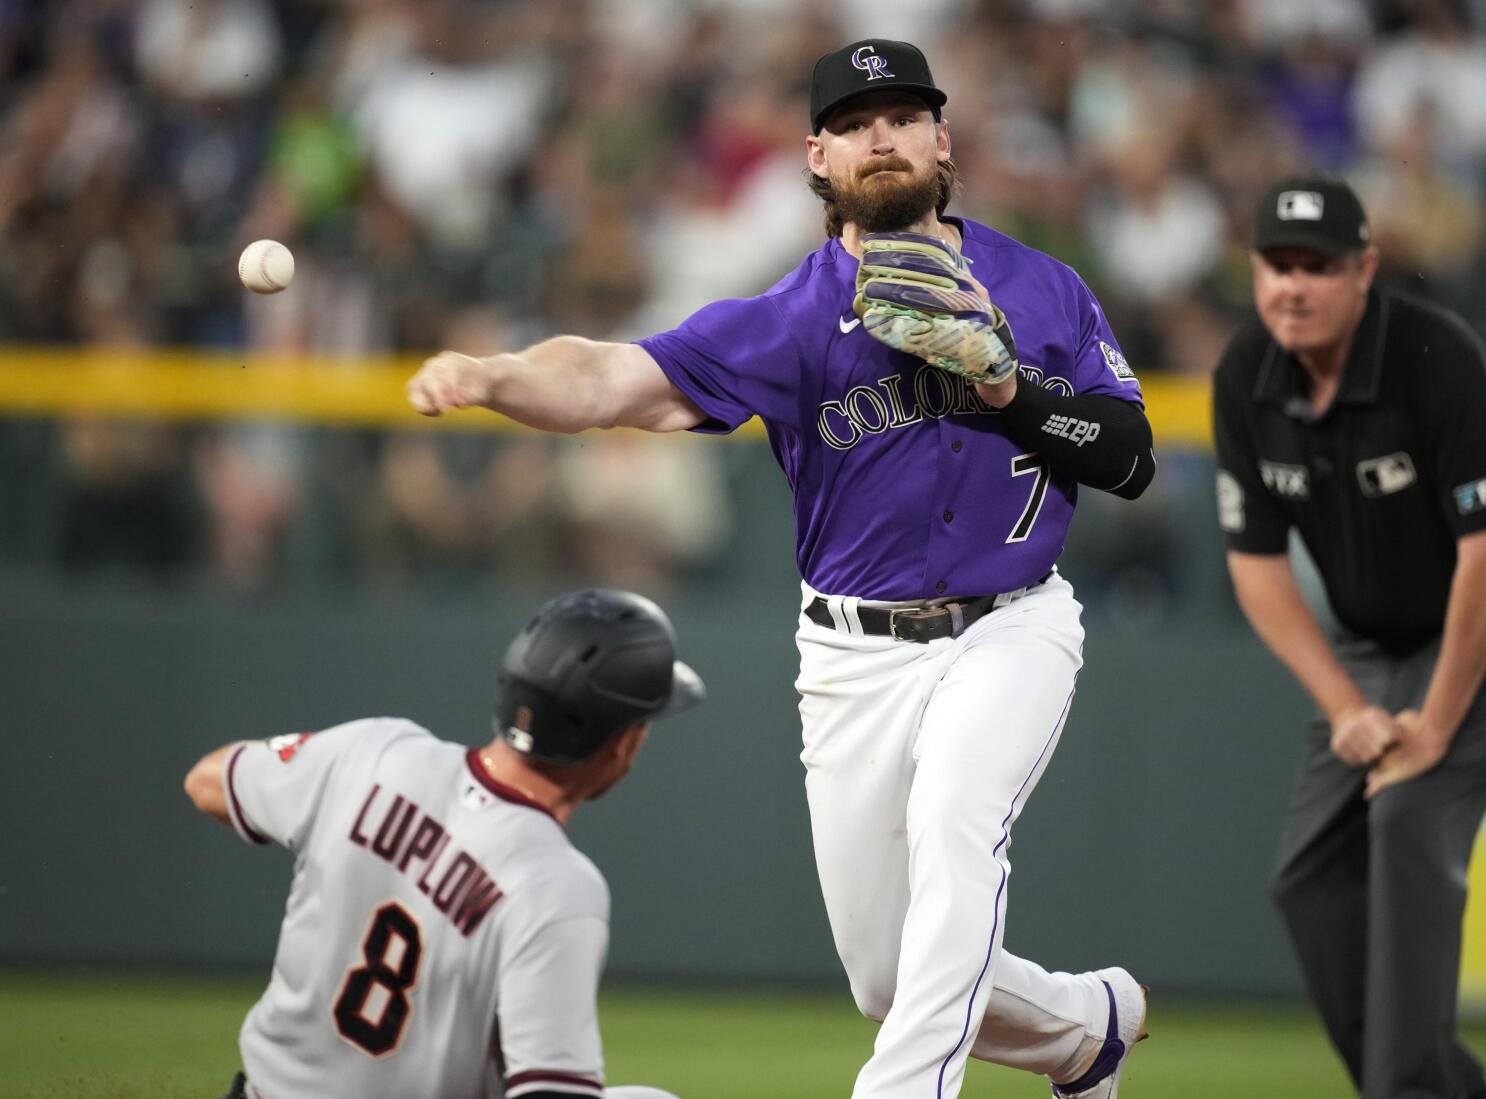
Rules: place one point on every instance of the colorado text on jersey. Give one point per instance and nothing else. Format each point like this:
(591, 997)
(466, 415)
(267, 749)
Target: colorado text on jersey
(935, 393)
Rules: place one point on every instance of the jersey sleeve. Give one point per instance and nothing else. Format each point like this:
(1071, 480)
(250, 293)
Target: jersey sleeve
(735, 359)
(1455, 414)
(1099, 366)
(548, 1007)
(1251, 519)
(275, 787)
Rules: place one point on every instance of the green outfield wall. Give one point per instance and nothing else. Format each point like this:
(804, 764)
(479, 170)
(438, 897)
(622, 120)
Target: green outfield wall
(1148, 841)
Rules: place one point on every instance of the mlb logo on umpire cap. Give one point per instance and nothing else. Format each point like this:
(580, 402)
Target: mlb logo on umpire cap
(1300, 205)
(870, 65)
(1316, 212)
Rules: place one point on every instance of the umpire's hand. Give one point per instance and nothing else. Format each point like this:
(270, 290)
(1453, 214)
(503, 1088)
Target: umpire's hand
(1360, 737)
(1420, 748)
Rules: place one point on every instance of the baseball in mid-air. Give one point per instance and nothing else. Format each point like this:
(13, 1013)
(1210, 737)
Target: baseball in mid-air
(266, 267)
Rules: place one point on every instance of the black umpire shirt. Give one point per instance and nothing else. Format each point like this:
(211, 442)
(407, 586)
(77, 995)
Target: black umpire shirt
(1382, 483)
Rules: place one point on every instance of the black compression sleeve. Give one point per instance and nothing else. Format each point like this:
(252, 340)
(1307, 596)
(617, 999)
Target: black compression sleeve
(1098, 440)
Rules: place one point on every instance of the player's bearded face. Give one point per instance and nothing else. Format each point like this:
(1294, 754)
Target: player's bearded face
(885, 194)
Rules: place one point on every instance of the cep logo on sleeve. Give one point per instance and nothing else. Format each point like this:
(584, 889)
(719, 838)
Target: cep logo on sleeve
(1230, 503)
(1386, 475)
(1076, 431)
(285, 746)
(1471, 497)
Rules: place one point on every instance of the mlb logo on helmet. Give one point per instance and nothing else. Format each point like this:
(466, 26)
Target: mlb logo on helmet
(520, 732)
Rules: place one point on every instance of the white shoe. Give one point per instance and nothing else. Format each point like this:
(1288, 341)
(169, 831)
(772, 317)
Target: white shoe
(1126, 1027)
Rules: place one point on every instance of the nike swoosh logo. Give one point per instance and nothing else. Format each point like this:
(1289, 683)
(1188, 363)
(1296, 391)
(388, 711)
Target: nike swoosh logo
(847, 327)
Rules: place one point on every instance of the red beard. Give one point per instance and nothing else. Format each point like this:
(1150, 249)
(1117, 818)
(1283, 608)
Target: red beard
(887, 195)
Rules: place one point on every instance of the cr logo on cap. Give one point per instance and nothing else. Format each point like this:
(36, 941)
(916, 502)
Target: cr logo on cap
(866, 59)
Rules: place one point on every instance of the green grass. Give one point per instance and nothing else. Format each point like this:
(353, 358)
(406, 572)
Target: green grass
(123, 1036)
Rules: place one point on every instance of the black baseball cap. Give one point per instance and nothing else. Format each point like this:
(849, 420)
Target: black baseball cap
(1320, 212)
(871, 65)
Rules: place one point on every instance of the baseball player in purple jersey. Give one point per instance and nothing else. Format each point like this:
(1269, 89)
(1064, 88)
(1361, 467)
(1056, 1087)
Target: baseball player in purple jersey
(443, 938)
(935, 443)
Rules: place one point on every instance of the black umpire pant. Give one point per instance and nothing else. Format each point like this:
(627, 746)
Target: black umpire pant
(1373, 894)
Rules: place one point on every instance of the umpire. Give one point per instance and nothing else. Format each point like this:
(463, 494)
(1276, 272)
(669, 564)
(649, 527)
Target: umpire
(1358, 417)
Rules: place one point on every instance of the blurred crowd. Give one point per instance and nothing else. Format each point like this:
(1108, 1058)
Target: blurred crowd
(478, 174)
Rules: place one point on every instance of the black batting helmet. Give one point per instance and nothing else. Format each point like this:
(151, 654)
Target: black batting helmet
(588, 665)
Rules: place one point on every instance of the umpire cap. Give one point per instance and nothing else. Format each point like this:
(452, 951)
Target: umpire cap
(589, 665)
(1316, 211)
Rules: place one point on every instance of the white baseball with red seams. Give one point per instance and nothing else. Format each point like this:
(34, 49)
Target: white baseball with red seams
(266, 267)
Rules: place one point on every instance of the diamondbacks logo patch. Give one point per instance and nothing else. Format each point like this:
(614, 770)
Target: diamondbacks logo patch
(1386, 475)
(287, 745)
(1470, 497)
(1116, 362)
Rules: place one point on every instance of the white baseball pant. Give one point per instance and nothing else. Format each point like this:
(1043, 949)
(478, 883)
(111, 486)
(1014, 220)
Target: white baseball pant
(918, 758)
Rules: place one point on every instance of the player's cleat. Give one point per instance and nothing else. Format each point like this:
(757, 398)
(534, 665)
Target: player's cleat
(1126, 1027)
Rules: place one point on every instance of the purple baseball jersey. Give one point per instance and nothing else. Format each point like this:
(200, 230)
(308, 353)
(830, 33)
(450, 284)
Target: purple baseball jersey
(906, 486)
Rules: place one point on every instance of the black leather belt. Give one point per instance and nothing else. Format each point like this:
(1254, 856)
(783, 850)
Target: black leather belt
(930, 622)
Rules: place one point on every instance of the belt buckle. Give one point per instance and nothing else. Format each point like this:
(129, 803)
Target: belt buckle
(892, 626)
(917, 614)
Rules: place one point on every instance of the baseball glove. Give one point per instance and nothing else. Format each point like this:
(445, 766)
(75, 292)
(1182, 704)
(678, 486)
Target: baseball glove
(915, 294)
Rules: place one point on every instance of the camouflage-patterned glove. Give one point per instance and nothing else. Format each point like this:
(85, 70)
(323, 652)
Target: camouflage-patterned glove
(915, 294)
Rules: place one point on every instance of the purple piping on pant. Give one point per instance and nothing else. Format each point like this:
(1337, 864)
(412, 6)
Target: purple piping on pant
(1000, 889)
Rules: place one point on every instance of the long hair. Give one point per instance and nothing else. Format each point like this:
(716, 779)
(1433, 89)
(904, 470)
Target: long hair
(949, 186)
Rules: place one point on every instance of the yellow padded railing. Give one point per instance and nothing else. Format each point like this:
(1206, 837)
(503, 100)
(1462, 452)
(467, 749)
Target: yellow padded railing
(360, 392)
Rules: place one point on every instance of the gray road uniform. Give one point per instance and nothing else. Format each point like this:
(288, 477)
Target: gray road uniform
(442, 937)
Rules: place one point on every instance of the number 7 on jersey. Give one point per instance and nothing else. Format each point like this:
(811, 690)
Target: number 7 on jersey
(1021, 465)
